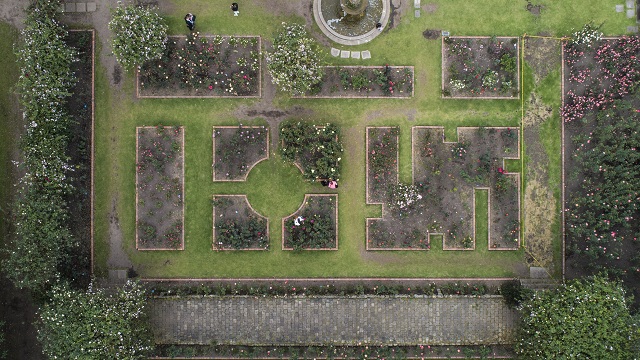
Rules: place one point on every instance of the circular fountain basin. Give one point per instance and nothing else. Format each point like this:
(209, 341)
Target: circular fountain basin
(349, 29)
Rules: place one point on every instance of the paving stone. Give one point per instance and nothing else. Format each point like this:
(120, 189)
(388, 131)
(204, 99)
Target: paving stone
(416, 4)
(332, 320)
(355, 54)
(335, 52)
(344, 54)
(417, 13)
(631, 13)
(366, 54)
(630, 4)
(632, 29)
(536, 272)
(70, 7)
(619, 8)
(91, 7)
(81, 7)
(445, 33)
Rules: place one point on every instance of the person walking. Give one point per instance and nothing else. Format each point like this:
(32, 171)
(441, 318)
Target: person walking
(190, 19)
(235, 8)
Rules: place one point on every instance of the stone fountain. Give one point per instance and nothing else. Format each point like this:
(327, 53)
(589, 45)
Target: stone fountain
(351, 22)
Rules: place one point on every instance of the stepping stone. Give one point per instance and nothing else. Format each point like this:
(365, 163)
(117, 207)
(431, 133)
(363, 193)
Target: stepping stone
(630, 4)
(345, 54)
(417, 13)
(335, 52)
(355, 54)
(632, 29)
(619, 8)
(631, 13)
(91, 7)
(70, 7)
(416, 4)
(81, 7)
(445, 33)
(366, 54)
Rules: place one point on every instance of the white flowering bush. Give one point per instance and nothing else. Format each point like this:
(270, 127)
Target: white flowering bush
(401, 196)
(294, 63)
(587, 35)
(140, 34)
(90, 324)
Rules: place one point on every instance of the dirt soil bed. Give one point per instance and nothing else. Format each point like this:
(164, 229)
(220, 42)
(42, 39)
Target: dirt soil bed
(237, 226)
(479, 67)
(209, 66)
(237, 150)
(160, 188)
(382, 162)
(364, 82)
(314, 226)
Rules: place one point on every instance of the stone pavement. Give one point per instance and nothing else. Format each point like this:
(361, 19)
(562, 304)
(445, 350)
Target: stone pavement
(332, 320)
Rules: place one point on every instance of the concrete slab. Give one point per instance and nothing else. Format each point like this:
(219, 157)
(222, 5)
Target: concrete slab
(91, 7)
(630, 4)
(81, 7)
(619, 8)
(632, 29)
(345, 54)
(366, 54)
(445, 33)
(417, 13)
(335, 52)
(538, 273)
(70, 7)
(631, 13)
(355, 54)
(416, 4)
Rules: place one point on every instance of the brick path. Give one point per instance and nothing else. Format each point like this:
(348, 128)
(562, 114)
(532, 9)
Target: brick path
(286, 321)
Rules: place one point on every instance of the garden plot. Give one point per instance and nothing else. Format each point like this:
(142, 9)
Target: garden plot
(237, 149)
(207, 66)
(364, 82)
(480, 67)
(382, 162)
(160, 188)
(237, 226)
(314, 226)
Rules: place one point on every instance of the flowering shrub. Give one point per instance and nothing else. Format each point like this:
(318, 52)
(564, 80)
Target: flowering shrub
(140, 34)
(93, 325)
(294, 63)
(242, 234)
(587, 35)
(401, 196)
(318, 229)
(317, 149)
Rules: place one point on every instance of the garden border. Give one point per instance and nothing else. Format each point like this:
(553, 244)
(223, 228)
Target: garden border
(306, 196)
(562, 148)
(182, 128)
(413, 84)
(211, 96)
(213, 244)
(213, 169)
(479, 97)
(366, 159)
(504, 158)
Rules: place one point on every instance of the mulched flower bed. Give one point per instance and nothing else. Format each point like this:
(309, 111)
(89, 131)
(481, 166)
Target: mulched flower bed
(237, 226)
(598, 73)
(160, 188)
(208, 66)
(237, 150)
(447, 174)
(478, 67)
(318, 230)
(364, 82)
(382, 162)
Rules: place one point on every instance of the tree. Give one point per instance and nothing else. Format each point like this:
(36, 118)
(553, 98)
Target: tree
(294, 63)
(93, 325)
(140, 34)
(586, 319)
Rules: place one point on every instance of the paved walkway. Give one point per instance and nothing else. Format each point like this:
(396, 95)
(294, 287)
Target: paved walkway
(287, 321)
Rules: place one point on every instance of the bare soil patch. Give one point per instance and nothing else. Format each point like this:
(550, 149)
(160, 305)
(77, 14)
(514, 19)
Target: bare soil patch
(543, 55)
(237, 150)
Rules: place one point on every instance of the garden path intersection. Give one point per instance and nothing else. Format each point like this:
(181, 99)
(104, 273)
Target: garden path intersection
(332, 320)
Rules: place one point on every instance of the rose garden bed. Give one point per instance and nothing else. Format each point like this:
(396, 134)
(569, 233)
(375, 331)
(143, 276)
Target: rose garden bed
(208, 66)
(237, 149)
(364, 82)
(447, 174)
(160, 188)
(318, 230)
(480, 67)
(382, 162)
(237, 226)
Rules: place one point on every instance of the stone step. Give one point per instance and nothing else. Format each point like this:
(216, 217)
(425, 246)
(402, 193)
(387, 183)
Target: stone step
(539, 284)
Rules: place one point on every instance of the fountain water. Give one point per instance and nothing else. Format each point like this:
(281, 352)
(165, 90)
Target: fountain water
(351, 22)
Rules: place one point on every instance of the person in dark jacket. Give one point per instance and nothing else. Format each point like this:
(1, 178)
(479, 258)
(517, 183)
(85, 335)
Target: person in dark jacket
(190, 19)
(235, 8)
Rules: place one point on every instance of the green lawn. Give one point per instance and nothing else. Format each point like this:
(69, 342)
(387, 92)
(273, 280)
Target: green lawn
(276, 189)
